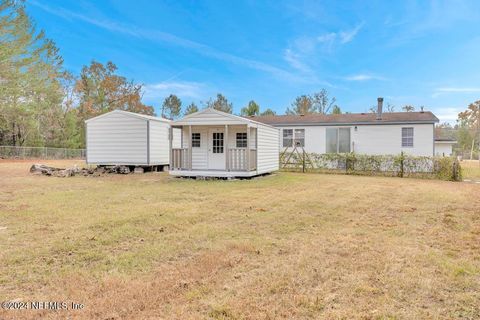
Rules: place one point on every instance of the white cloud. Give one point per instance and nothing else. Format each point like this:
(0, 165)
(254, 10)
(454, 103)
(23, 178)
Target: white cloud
(184, 89)
(348, 36)
(363, 77)
(446, 90)
(447, 114)
(294, 60)
(341, 37)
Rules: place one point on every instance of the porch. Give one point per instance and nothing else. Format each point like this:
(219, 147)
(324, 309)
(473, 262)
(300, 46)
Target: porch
(221, 151)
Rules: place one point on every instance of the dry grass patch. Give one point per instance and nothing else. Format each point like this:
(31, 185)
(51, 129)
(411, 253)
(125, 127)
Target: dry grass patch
(471, 169)
(284, 246)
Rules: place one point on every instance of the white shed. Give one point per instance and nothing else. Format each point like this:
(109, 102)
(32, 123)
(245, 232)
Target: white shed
(219, 144)
(444, 147)
(126, 138)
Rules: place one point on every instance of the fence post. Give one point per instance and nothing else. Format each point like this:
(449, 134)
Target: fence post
(401, 165)
(455, 173)
(303, 161)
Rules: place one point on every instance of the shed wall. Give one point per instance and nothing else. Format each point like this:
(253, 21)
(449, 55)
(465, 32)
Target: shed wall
(267, 149)
(117, 139)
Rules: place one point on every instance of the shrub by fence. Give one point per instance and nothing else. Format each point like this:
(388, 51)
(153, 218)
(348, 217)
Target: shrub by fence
(402, 165)
(15, 152)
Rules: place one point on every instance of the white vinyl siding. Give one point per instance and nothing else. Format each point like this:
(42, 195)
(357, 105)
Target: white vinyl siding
(199, 155)
(117, 139)
(159, 145)
(371, 139)
(267, 149)
(120, 137)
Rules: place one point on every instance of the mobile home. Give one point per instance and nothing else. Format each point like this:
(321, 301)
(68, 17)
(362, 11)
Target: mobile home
(379, 133)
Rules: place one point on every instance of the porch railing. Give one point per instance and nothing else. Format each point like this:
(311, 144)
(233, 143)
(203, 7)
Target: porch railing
(237, 159)
(179, 159)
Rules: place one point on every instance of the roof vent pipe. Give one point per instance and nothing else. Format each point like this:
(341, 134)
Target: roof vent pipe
(379, 108)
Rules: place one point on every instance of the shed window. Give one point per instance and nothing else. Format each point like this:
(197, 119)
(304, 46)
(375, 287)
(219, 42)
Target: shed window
(338, 140)
(196, 140)
(287, 138)
(241, 139)
(407, 137)
(300, 137)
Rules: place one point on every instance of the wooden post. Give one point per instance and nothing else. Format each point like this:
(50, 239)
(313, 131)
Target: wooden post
(190, 148)
(247, 158)
(227, 155)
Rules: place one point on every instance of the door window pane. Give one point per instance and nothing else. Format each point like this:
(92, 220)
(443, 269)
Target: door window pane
(331, 142)
(343, 140)
(217, 142)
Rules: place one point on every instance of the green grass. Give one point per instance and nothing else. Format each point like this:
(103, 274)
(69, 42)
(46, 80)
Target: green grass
(289, 245)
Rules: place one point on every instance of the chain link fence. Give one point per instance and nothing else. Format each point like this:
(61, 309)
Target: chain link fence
(15, 152)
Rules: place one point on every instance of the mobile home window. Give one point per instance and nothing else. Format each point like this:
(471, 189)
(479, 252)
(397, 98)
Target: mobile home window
(287, 138)
(407, 137)
(241, 139)
(196, 140)
(300, 137)
(338, 140)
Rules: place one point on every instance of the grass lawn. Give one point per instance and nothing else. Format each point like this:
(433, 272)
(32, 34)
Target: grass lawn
(289, 245)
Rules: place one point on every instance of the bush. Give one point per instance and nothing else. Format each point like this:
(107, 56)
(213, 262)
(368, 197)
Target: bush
(401, 165)
(448, 168)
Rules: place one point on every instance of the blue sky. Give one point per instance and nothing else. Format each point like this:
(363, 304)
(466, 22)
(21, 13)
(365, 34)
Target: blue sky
(410, 52)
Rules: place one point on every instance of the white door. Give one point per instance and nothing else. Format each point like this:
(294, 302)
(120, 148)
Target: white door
(216, 149)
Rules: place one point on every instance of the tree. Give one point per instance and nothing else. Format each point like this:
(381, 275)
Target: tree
(220, 103)
(252, 109)
(445, 130)
(302, 105)
(322, 102)
(30, 73)
(100, 90)
(408, 108)
(336, 110)
(171, 107)
(268, 112)
(191, 108)
(390, 107)
(470, 119)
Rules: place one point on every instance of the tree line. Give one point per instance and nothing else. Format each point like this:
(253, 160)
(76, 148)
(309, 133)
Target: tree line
(43, 104)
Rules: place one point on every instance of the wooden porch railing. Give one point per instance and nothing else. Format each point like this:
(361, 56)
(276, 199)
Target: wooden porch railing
(179, 159)
(237, 159)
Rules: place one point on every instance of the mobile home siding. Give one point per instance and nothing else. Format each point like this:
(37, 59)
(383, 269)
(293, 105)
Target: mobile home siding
(267, 149)
(387, 139)
(371, 139)
(117, 139)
